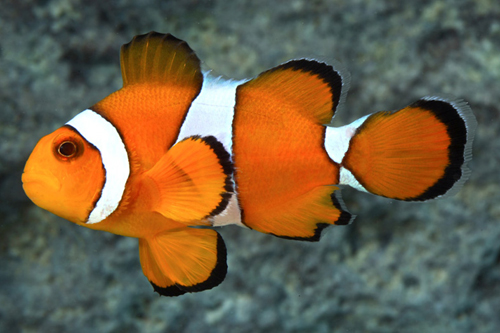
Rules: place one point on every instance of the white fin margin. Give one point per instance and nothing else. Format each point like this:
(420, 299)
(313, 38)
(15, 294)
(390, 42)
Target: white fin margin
(103, 135)
(465, 112)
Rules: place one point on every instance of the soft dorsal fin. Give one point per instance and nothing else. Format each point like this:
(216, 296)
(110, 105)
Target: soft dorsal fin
(278, 150)
(308, 88)
(158, 58)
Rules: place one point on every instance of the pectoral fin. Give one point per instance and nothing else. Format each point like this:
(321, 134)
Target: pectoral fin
(192, 180)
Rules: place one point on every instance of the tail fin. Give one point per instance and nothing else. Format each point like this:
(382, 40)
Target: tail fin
(414, 154)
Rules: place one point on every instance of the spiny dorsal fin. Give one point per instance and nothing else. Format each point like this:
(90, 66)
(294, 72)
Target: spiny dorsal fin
(159, 58)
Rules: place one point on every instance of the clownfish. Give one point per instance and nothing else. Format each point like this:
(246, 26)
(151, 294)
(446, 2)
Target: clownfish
(177, 152)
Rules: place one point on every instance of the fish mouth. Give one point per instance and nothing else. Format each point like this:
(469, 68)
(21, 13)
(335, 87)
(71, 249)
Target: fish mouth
(47, 182)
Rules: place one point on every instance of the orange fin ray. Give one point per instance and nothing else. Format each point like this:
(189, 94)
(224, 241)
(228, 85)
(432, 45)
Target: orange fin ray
(191, 181)
(159, 58)
(183, 260)
(414, 154)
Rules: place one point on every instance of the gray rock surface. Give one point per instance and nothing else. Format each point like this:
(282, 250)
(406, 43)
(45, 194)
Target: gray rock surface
(401, 267)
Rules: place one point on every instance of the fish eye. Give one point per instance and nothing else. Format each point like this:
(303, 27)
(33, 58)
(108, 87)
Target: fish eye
(67, 149)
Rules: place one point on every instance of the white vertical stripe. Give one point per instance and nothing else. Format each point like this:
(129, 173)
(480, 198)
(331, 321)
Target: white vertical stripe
(347, 178)
(104, 136)
(337, 139)
(212, 113)
(230, 215)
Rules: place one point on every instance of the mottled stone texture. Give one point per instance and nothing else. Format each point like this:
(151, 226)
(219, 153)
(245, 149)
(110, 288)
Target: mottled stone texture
(401, 267)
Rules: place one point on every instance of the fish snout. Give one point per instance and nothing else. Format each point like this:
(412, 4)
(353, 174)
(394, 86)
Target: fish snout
(35, 182)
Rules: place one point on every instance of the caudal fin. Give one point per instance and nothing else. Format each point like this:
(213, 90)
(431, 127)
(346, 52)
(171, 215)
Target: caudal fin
(414, 154)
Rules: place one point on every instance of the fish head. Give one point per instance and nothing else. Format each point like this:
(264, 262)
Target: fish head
(64, 175)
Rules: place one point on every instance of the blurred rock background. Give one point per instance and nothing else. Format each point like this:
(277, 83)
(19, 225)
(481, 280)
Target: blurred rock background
(401, 267)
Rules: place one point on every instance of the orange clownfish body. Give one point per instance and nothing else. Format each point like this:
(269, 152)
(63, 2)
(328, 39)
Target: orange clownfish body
(176, 152)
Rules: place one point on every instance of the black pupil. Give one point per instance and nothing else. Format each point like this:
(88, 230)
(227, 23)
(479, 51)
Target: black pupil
(67, 149)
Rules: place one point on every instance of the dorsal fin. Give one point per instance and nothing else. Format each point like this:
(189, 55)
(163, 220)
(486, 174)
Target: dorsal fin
(308, 88)
(278, 150)
(159, 58)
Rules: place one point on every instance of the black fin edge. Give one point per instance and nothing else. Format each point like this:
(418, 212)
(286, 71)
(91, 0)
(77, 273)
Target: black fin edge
(314, 238)
(460, 124)
(456, 125)
(216, 277)
(345, 218)
(176, 42)
(326, 72)
(157, 35)
(165, 38)
(227, 167)
(170, 291)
